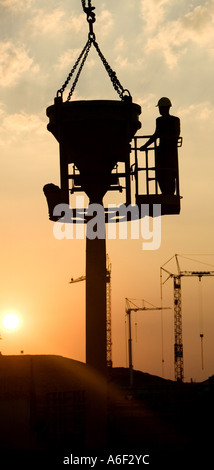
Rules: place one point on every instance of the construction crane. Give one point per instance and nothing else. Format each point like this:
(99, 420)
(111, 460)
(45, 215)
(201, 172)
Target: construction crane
(108, 314)
(131, 307)
(178, 342)
(108, 309)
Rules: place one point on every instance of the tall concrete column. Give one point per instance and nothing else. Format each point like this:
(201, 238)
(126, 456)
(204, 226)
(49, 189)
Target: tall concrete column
(96, 357)
(96, 304)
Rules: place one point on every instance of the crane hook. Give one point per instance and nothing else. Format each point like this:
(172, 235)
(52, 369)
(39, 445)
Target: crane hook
(91, 18)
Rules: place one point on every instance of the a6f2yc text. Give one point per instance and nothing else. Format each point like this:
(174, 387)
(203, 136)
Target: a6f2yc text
(127, 459)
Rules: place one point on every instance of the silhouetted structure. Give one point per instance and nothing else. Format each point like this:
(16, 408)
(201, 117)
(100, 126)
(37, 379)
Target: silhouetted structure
(167, 131)
(94, 137)
(178, 344)
(44, 414)
(107, 127)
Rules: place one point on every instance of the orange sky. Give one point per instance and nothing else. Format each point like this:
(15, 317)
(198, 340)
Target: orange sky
(35, 267)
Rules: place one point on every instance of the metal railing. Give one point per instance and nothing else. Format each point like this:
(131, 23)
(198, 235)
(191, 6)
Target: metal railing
(149, 166)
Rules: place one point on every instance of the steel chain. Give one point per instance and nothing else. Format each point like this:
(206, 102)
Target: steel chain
(116, 84)
(73, 69)
(87, 49)
(84, 54)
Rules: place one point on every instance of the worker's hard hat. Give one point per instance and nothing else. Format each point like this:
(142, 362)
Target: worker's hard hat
(164, 102)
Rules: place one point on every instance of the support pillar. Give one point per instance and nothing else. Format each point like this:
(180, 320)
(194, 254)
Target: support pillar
(96, 304)
(96, 354)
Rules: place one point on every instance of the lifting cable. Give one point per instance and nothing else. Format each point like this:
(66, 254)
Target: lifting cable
(124, 94)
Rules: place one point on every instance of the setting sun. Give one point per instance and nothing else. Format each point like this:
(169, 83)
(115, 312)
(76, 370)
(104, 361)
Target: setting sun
(11, 321)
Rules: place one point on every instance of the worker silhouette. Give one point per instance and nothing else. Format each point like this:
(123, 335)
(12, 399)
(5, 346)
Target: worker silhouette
(166, 154)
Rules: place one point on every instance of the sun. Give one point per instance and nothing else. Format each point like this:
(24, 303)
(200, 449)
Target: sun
(10, 321)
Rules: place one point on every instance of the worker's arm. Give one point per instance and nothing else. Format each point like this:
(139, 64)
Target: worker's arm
(152, 138)
(173, 134)
(149, 142)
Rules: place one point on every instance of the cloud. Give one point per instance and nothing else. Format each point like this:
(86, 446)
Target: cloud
(68, 58)
(198, 24)
(202, 112)
(16, 5)
(172, 38)
(148, 101)
(122, 62)
(14, 62)
(47, 22)
(153, 13)
(119, 44)
(167, 43)
(2, 109)
(20, 125)
(106, 22)
(55, 22)
(126, 57)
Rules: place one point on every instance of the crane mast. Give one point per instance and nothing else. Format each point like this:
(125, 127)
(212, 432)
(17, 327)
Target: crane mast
(108, 314)
(178, 343)
(178, 346)
(131, 307)
(108, 310)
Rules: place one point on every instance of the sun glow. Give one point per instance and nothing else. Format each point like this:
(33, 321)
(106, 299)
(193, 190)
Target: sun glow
(10, 321)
